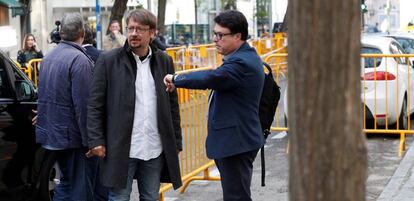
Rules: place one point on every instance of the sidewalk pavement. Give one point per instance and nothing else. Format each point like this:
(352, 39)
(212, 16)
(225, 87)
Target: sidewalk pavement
(401, 185)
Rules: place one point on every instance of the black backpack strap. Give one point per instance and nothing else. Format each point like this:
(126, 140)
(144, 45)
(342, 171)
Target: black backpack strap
(265, 133)
(268, 68)
(262, 156)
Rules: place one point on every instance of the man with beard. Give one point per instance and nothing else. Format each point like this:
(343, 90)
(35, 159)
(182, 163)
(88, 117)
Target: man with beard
(133, 124)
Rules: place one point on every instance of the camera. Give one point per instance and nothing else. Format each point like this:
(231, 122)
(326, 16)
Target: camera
(54, 35)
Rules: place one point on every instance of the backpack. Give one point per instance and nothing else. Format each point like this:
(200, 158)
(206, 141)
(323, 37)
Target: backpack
(267, 109)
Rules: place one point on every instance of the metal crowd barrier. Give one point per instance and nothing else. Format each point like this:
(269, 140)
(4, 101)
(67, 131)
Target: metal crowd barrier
(267, 44)
(31, 70)
(193, 159)
(382, 106)
(380, 89)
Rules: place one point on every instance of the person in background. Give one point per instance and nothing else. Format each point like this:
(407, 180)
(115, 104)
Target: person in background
(100, 192)
(133, 123)
(29, 50)
(92, 52)
(63, 91)
(159, 41)
(234, 130)
(115, 38)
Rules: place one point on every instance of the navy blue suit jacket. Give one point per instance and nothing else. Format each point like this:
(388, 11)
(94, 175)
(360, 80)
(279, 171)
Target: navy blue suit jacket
(233, 117)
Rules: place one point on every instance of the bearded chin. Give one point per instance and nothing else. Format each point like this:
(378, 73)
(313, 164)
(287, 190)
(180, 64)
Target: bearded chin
(136, 46)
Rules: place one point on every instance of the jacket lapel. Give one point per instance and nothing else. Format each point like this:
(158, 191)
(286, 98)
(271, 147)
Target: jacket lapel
(156, 73)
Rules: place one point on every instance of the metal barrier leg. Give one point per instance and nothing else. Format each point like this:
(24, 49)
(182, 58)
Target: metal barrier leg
(402, 144)
(162, 196)
(287, 147)
(193, 178)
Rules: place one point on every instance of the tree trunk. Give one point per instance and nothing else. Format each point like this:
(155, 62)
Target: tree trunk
(328, 157)
(161, 15)
(117, 12)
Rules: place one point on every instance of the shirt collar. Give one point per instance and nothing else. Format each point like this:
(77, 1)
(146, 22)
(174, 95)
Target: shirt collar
(146, 59)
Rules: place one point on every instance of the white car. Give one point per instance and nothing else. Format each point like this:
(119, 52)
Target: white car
(385, 82)
(386, 94)
(406, 41)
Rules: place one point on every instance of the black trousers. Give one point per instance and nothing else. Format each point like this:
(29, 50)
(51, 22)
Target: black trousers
(236, 175)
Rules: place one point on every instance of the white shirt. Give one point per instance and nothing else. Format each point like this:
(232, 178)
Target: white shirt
(145, 138)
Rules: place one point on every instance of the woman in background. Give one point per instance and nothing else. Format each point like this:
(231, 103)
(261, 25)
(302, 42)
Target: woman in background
(29, 50)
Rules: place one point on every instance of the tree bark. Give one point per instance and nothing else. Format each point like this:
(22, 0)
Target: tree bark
(161, 15)
(117, 13)
(328, 157)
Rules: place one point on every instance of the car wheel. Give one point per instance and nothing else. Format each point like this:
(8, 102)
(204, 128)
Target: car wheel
(403, 119)
(49, 177)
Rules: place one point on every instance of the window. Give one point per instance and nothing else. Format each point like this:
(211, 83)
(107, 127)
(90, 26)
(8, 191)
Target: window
(396, 49)
(371, 62)
(4, 83)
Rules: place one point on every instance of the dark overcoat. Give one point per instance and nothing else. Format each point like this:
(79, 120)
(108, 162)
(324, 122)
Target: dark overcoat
(111, 114)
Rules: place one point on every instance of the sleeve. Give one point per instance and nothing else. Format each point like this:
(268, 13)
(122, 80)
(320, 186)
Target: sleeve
(228, 76)
(97, 105)
(120, 39)
(81, 77)
(21, 58)
(40, 54)
(175, 110)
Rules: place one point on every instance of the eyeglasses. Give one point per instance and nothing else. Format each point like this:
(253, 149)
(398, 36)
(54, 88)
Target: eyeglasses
(139, 30)
(220, 35)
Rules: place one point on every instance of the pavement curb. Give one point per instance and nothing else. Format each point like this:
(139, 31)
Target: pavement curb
(400, 186)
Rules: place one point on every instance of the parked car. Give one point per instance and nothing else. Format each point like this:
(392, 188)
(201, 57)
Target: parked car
(407, 43)
(27, 171)
(385, 82)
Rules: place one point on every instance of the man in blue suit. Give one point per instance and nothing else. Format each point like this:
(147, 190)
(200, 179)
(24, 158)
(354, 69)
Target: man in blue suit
(234, 131)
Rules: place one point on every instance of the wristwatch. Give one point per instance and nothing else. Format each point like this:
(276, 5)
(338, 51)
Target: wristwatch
(173, 78)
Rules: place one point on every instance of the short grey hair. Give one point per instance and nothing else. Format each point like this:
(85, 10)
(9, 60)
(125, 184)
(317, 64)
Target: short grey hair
(72, 27)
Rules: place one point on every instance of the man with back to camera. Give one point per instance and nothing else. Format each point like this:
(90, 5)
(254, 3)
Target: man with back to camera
(64, 82)
(115, 38)
(234, 130)
(133, 123)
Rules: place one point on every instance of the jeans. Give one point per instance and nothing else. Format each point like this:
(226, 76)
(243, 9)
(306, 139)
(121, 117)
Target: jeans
(148, 174)
(78, 174)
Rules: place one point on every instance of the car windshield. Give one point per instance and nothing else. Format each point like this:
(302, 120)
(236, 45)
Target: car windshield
(370, 61)
(406, 44)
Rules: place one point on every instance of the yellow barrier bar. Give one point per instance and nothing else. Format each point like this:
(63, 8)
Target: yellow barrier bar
(377, 130)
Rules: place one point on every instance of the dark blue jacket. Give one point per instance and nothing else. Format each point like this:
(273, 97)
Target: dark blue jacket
(233, 116)
(92, 52)
(64, 81)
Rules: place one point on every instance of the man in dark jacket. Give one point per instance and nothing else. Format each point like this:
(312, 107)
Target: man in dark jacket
(133, 123)
(92, 52)
(234, 130)
(65, 78)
